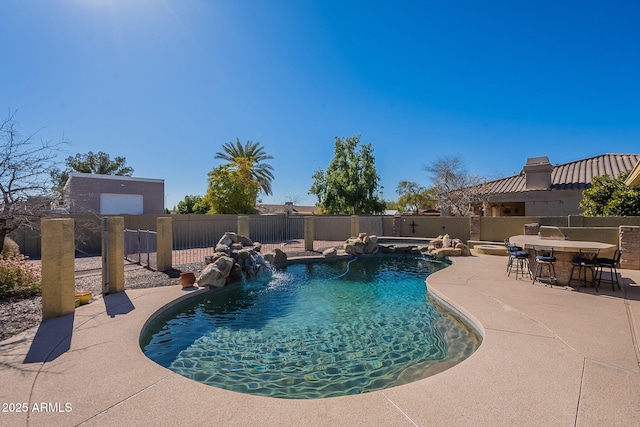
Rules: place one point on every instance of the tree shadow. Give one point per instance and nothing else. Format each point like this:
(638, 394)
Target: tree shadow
(52, 340)
(118, 304)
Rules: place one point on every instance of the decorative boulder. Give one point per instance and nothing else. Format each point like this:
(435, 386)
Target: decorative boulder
(212, 258)
(444, 252)
(216, 273)
(371, 244)
(464, 249)
(244, 240)
(437, 243)
(362, 244)
(276, 256)
(221, 248)
(329, 253)
(228, 238)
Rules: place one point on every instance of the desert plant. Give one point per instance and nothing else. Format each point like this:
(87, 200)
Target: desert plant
(18, 277)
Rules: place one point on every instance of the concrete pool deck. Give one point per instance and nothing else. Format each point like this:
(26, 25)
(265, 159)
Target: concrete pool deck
(550, 356)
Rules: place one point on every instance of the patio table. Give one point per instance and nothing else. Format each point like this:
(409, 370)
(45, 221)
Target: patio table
(563, 250)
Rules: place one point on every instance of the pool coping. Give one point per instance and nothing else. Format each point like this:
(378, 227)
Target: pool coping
(549, 356)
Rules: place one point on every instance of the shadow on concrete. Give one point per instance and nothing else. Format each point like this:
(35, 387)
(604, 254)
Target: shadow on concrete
(118, 303)
(52, 340)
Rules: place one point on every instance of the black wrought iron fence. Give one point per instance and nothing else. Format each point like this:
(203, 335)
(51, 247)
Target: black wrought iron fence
(141, 246)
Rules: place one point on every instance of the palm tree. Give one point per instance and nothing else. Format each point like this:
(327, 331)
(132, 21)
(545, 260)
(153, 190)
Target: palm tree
(255, 154)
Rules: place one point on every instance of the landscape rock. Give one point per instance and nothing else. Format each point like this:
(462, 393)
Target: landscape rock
(244, 240)
(216, 273)
(228, 238)
(362, 244)
(222, 248)
(329, 253)
(276, 256)
(464, 249)
(445, 252)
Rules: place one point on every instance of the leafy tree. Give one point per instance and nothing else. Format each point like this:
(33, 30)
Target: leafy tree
(350, 183)
(254, 156)
(99, 163)
(610, 197)
(25, 178)
(232, 189)
(193, 205)
(414, 196)
(456, 190)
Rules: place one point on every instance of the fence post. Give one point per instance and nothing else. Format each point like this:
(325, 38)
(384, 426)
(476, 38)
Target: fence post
(113, 255)
(58, 265)
(309, 232)
(355, 225)
(397, 225)
(243, 226)
(164, 227)
(475, 230)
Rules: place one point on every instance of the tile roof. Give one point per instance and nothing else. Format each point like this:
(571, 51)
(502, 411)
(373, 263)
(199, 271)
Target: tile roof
(575, 175)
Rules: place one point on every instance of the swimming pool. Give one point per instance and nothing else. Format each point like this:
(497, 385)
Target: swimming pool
(314, 330)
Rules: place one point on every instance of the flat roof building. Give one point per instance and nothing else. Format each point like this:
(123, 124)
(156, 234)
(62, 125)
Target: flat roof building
(113, 195)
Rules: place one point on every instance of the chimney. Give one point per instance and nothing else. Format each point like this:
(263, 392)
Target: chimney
(537, 173)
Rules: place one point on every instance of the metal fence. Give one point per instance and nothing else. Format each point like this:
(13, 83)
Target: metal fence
(276, 231)
(196, 236)
(141, 246)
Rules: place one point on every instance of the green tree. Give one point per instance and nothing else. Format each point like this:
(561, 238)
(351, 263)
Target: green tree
(415, 197)
(192, 205)
(232, 189)
(254, 156)
(97, 163)
(350, 183)
(610, 197)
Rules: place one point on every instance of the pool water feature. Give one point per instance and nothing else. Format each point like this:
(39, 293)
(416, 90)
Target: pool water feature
(314, 330)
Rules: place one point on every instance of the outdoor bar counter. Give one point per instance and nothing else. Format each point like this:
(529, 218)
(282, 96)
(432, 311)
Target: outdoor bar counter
(563, 250)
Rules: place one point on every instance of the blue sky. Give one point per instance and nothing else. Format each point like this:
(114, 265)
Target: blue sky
(166, 82)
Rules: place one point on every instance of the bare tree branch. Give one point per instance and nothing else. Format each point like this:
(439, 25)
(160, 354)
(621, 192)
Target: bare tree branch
(25, 177)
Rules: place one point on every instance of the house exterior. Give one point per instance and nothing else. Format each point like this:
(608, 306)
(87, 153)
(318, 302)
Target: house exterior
(113, 195)
(542, 189)
(633, 180)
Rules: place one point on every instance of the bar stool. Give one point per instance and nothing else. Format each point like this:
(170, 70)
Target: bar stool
(611, 264)
(587, 259)
(511, 251)
(518, 261)
(545, 259)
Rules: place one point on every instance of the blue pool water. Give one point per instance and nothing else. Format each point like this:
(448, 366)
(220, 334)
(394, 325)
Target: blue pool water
(314, 330)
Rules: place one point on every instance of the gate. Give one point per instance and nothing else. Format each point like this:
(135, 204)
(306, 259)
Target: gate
(141, 246)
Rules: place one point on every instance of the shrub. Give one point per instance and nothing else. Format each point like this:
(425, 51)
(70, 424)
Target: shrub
(18, 277)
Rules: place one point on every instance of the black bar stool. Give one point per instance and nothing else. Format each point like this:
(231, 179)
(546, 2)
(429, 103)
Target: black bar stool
(587, 259)
(545, 259)
(518, 260)
(611, 264)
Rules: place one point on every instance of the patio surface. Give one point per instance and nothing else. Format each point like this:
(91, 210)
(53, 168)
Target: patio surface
(550, 356)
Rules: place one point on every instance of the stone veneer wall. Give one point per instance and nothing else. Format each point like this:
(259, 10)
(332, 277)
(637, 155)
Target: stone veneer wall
(630, 246)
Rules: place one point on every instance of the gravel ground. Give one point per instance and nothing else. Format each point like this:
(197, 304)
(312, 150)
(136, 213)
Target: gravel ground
(17, 315)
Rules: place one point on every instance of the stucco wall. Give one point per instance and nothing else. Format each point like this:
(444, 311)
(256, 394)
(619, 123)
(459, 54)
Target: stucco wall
(82, 193)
